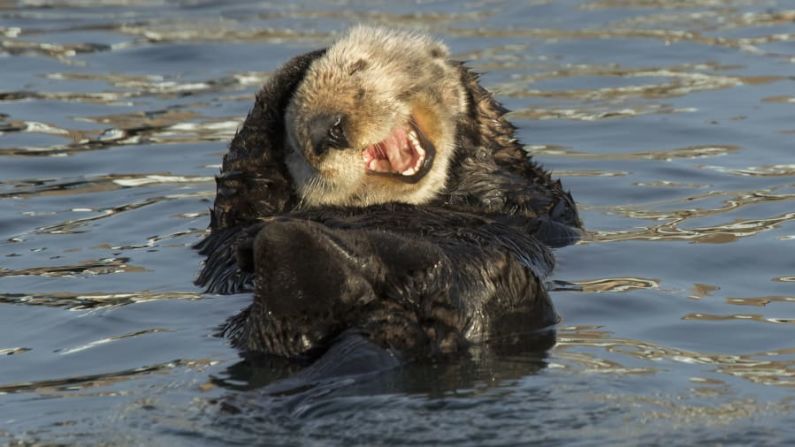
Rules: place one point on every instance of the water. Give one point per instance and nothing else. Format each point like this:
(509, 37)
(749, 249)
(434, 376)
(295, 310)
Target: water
(670, 121)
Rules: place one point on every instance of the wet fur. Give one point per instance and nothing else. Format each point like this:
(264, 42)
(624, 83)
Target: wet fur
(422, 281)
(464, 266)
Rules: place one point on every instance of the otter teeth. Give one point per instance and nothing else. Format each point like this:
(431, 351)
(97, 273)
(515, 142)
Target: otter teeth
(415, 143)
(421, 153)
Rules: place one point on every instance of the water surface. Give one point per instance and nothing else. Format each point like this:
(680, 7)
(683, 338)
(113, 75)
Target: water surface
(670, 121)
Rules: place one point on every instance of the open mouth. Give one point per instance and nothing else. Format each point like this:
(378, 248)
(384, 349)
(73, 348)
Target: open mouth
(406, 155)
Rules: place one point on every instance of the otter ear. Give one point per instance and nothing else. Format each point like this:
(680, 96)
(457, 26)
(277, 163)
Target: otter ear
(254, 181)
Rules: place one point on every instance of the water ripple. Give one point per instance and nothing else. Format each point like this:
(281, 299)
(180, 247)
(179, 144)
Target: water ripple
(595, 112)
(691, 152)
(759, 367)
(72, 384)
(107, 340)
(72, 226)
(748, 44)
(26, 188)
(58, 51)
(716, 234)
(614, 285)
(103, 266)
(760, 301)
(94, 300)
(682, 83)
(13, 351)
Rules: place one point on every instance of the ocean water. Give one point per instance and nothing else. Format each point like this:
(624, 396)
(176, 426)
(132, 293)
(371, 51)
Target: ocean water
(670, 121)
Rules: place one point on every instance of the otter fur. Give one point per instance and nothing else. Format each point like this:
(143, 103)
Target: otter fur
(378, 87)
(375, 187)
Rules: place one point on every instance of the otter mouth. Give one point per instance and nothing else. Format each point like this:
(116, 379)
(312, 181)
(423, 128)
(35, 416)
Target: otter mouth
(405, 155)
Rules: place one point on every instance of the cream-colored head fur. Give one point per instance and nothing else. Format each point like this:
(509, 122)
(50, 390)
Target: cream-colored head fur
(377, 79)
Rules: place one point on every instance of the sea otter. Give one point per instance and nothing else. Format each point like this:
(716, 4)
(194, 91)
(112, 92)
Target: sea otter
(376, 188)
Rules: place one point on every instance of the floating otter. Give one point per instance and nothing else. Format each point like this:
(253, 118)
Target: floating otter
(376, 188)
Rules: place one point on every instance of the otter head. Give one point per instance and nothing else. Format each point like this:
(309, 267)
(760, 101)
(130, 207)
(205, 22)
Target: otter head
(374, 120)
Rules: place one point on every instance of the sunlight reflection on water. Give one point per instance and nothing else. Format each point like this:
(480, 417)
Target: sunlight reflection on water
(670, 121)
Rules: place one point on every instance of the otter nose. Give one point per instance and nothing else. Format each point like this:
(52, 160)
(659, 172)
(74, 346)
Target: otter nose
(325, 132)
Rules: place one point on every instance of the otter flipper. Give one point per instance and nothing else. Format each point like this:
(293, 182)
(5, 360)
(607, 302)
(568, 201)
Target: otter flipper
(492, 172)
(527, 239)
(227, 268)
(254, 181)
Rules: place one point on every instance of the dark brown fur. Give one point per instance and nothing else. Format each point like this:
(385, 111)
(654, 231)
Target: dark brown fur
(421, 279)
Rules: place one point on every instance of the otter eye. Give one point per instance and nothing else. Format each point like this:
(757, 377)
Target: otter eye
(326, 132)
(336, 134)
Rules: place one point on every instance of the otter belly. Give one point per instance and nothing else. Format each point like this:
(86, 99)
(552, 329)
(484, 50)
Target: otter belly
(419, 282)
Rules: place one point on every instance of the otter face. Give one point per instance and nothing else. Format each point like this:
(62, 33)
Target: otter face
(374, 120)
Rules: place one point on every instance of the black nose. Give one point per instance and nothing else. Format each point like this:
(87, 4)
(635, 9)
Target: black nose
(326, 132)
